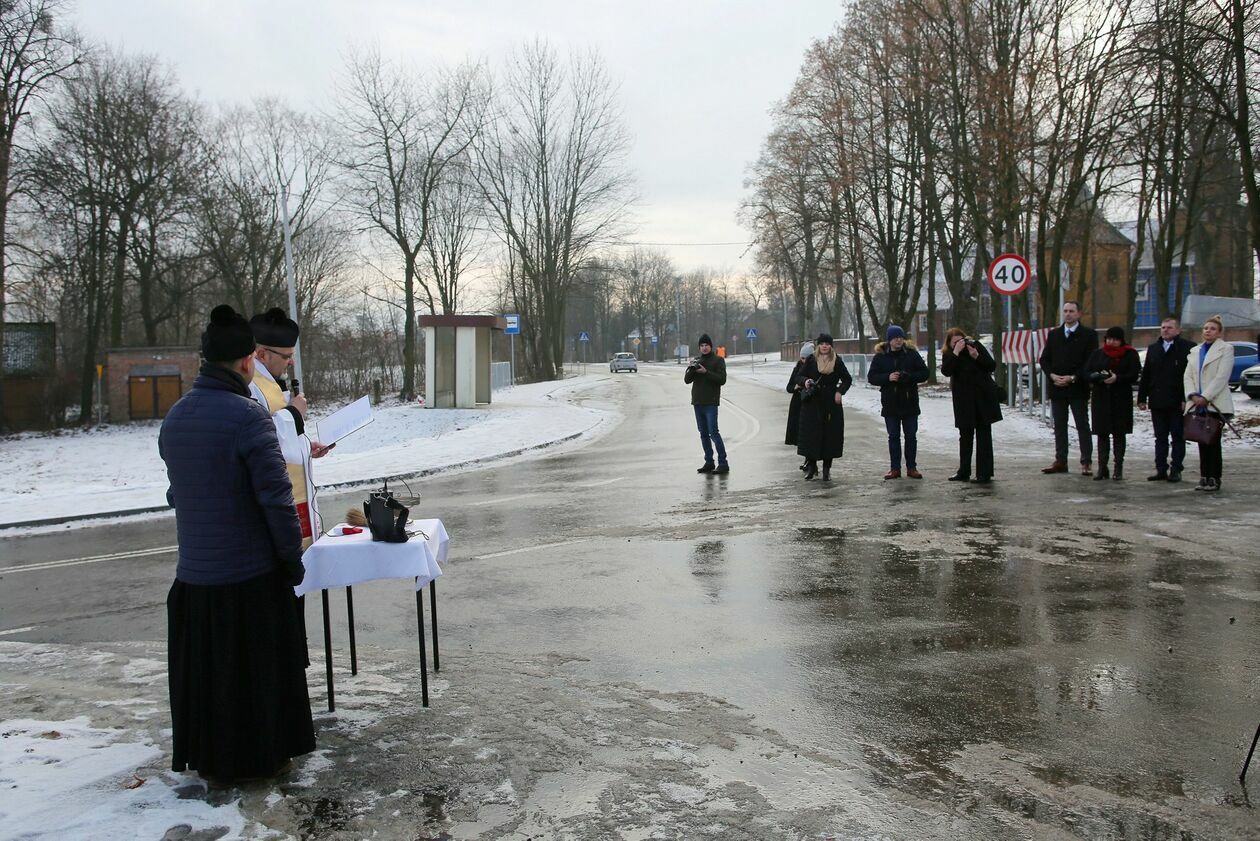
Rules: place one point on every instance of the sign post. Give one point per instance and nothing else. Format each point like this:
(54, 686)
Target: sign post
(100, 398)
(655, 349)
(513, 327)
(1009, 274)
(751, 335)
(584, 339)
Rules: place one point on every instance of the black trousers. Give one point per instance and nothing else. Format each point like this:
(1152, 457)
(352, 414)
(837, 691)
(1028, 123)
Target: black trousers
(982, 437)
(1080, 414)
(1167, 423)
(1104, 448)
(1211, 462)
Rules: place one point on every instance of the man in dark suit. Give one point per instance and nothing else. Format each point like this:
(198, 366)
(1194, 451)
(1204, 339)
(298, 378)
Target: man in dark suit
(1162, 388)
(1063, 360)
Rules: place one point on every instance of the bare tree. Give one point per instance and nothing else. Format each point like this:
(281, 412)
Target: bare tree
(35, 51)
(551, 168)
(405, 138)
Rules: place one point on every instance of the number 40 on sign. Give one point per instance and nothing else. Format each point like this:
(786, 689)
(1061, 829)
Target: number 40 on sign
(1009, 274)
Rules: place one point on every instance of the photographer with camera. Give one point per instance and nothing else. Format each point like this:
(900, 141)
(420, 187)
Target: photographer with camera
(707, 374)
(1111, 371)
(821, 431)
(970, 367)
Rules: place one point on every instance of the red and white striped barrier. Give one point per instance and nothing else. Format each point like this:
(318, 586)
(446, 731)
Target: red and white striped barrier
(1023, 346)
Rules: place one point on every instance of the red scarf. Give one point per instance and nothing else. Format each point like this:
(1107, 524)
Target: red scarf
(1115, 354)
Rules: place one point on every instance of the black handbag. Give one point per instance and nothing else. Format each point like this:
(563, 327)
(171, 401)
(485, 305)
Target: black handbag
(1202, 428)
(386, 516)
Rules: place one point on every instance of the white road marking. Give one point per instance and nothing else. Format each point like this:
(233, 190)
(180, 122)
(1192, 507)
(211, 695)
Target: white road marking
(91, 559)
(601, 484)
(528, 549)
(749, 418)
(498, 499)
(18, 630)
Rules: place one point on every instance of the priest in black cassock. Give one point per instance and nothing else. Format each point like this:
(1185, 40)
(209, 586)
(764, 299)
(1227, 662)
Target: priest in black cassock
(239, 704)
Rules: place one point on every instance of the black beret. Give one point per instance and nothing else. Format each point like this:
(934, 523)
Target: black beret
(274, 328)
(227, 336)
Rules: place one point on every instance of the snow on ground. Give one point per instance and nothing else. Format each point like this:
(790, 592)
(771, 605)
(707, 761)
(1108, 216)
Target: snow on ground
(67, 779)
(84, 472)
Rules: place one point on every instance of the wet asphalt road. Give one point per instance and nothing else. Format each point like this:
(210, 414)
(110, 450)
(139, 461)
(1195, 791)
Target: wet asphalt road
(1048, 657)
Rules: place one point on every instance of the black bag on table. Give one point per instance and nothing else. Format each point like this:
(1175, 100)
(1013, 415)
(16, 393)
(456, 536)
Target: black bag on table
(386, 516)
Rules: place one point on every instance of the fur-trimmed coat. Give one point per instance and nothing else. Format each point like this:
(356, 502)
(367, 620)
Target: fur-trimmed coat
(900, 398)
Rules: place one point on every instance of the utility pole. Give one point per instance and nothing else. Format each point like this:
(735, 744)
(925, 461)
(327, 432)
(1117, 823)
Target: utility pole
(288, 272)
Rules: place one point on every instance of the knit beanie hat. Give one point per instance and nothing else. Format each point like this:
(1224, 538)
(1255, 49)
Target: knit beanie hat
(1115, 333)
(895, 332)
(705, 340)
(807, 349)
(227, 337)
(824, 339)
(274, 328)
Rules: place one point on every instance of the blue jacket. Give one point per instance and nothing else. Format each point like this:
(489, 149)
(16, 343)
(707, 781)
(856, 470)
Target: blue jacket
(233, 502)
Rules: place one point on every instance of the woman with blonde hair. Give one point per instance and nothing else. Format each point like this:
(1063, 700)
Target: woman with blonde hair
(821, 431)
(970, 366)
(1207, 393)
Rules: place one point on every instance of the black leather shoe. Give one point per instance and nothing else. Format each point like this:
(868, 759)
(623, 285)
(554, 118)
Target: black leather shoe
(959, 477)
(722, 468)
(1158, 477)
(811, 472)
(1175, 476)
(981, 480)
(707, 468)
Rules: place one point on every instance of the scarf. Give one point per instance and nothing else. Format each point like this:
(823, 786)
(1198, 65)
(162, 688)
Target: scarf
(1115, 354)
(826, 362)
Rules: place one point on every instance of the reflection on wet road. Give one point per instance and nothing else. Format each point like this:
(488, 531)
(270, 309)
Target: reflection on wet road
(632, 650)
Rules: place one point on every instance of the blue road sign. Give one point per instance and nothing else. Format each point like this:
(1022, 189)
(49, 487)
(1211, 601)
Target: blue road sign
(584, 336)
(513, 324)
(653, 340)
(750, 333)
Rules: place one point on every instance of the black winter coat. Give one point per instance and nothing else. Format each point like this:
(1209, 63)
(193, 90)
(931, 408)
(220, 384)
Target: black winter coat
(1066, 356)
(1163, 376)
(1111, 406)
(971, 385)
(795, 383)
(898, 399)
(234, 512)
(821, 431)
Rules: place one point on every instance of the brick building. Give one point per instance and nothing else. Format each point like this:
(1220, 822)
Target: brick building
(143, 383)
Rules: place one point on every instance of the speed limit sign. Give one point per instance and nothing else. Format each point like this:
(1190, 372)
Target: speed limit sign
(1009, 274)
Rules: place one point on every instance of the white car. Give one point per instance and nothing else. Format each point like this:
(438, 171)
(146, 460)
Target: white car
(623, 362)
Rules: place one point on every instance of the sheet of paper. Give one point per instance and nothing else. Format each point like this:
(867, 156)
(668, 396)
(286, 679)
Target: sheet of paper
(347, 419)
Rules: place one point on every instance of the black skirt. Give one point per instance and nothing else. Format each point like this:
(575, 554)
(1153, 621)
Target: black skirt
(239, 705)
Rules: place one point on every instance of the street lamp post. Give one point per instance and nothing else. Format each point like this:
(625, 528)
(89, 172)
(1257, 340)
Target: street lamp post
(678, 319)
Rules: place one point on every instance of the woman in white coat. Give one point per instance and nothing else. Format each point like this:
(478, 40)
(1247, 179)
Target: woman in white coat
(1207, 391)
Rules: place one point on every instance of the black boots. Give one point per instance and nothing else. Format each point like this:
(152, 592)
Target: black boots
(811, 471)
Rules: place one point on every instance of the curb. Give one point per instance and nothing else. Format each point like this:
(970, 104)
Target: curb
(354, 483)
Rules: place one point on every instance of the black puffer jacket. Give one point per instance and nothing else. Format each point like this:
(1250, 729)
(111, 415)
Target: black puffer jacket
(898, 399)
(234, 512)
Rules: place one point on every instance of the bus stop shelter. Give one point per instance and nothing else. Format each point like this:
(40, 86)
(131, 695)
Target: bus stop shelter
(457, 359)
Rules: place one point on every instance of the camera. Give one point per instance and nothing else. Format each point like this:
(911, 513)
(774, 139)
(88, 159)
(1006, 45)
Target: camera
(1098, 376)
(694, 363)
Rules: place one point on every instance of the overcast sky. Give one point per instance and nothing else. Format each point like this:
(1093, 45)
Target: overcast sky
(697, 76)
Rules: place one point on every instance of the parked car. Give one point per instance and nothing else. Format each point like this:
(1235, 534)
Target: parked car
(1250, 382)
(623, 362)
(1244, 358)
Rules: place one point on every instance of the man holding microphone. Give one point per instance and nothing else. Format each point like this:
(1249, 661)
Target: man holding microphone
(277, 337)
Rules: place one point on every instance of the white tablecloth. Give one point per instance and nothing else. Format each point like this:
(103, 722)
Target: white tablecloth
(345, 560)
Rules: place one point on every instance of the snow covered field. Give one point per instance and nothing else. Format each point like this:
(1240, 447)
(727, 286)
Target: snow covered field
(117, 468)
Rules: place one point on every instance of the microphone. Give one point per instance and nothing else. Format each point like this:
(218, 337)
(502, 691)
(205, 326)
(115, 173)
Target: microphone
(295, 388)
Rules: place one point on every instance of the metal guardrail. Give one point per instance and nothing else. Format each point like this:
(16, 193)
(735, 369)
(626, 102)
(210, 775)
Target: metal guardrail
(500, 375)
